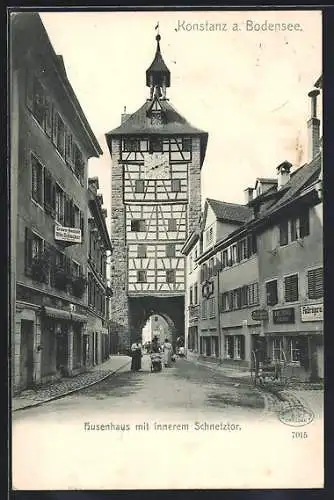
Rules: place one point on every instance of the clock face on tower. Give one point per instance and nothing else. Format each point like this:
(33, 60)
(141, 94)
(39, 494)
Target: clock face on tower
(157, 166)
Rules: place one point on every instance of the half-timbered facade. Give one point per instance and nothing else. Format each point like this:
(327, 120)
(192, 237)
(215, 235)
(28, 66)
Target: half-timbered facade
(156, 162)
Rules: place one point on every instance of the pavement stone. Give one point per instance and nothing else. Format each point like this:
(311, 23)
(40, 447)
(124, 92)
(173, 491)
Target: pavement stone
(68, 385)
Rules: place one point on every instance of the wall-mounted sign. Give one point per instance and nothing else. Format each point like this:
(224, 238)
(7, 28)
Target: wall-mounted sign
(68, 234)
(207, 289)
(260, 315)
(313, 312)
(286, 315)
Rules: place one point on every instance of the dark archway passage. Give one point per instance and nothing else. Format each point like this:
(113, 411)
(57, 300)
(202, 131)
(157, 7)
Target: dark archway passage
(169, 308)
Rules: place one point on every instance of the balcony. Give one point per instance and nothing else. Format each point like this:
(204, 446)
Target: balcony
(193, 311)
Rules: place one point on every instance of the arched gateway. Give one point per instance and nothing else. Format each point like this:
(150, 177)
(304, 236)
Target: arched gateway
(156, 202)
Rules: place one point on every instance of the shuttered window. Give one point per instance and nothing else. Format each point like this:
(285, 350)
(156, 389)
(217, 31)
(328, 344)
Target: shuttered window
(170, 276)
(304, 224)
(141, 251)
(171, 224)
(176, 185)
(60, 205)
(271, 293)
(36, 180)
(195, 294)
(244, 296)
(315, 283)
(138, 225)
(170, 250)
(291, 288)
(141, 277)
(139, 186)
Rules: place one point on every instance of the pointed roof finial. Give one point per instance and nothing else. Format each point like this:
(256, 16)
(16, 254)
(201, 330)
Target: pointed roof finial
(158, 72)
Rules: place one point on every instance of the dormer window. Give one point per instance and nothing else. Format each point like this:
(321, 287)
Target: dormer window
(156, 145)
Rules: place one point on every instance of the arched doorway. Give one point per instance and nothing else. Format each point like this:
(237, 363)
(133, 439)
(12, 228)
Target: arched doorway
(157, 326)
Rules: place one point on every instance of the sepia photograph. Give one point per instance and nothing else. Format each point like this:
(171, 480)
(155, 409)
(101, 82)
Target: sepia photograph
(166, 249)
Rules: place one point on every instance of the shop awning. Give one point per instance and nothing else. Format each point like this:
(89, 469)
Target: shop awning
(79, 317)
(52, 312)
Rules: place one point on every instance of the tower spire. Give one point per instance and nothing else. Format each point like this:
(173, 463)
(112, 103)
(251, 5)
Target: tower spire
(158, 75)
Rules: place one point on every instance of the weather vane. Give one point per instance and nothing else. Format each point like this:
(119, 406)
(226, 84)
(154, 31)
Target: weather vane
(157, 27)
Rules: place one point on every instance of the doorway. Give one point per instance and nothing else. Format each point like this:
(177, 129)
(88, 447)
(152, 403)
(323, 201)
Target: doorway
(27, 356)
(62, 350)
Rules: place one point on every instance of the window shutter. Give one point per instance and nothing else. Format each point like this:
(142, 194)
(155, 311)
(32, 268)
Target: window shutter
(82, 225)
(68, 147)
(238, 251)
(53, 196)
(54, 125)
(242, 346)
(28, 250)
(30, 90)
(304, 224)
(48, 116)
(47, 189)
(315, 280)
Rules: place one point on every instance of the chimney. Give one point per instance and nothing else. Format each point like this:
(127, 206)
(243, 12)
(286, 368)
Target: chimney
(313, 126)
(93, 183)
(283, 174)
(124, 115)
(248, 194)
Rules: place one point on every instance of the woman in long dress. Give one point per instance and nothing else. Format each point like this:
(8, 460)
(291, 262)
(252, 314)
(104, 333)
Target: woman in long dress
(168, 349)
(136, 356)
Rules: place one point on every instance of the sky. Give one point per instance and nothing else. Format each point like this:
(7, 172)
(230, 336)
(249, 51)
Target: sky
(247, 89)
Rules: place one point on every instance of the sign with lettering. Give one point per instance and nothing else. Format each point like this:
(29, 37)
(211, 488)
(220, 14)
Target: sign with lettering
(312, 312)
(68, 234)
(286, 315)
(260, 315)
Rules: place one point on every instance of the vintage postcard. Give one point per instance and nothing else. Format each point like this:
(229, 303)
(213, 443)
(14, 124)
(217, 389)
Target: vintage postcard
(166, 249)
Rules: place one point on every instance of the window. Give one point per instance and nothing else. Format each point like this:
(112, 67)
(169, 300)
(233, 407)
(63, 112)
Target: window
(170, 250)
(239, 347)
(315, 283)
(253, 294)
(138, 225)
(33, 249)
(186, 144)
(139, 186)
(244, 296)
(212, 307)
(38, 102)
(225, 258)
(271, 293)
(170, 276)
(196, 294)
(294, 349)
(60, 205)
(176, 185)
(225, 302)
(236, 298)
(291, 288)
(36, 180)
(233, 254)
(79, 164)
(251, 245)
(131, 145)
(277, 349)
(229, 347)
(171, 224)
(204, 309)
(49, 193)
(243, 249)
(141, 277)
(191, 296)
(210, 268)
(304, 224)
(283, 233)
(60, 135)
(141, 251)
(75, 269)
(209, 235)
(156, 144)
(76, 216)
(294, 229)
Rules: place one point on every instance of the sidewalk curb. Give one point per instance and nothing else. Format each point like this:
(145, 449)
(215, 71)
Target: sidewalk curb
(59, 396)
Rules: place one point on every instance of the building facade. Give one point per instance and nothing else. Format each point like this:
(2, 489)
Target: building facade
(97, 345)
(51, 142)
(156, 201)
(267, 274)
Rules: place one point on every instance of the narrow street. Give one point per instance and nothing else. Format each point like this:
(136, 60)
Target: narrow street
(150, 418)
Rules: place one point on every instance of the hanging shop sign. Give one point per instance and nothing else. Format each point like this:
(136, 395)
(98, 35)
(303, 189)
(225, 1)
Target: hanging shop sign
(286, 315)
(313, 312)
(68, 234)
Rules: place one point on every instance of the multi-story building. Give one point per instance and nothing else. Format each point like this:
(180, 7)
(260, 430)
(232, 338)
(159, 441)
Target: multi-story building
(156, 201)
(51, 142)
(267, 274)
(97, 346)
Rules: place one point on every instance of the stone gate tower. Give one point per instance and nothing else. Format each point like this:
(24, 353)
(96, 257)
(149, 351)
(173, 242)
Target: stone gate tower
(155, 202)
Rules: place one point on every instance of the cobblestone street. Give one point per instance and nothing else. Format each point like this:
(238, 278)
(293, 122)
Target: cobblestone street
(113, 422)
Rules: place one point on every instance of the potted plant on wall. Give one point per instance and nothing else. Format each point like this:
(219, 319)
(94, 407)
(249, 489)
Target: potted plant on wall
(79, 284)
(40, 267)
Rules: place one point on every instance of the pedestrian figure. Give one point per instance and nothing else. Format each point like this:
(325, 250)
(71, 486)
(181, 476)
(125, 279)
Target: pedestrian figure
(136, 356)
(168, 350)
(155, 344)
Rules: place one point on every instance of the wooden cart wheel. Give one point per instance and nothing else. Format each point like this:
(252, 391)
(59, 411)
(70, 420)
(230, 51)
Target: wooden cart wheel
(253, 368)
